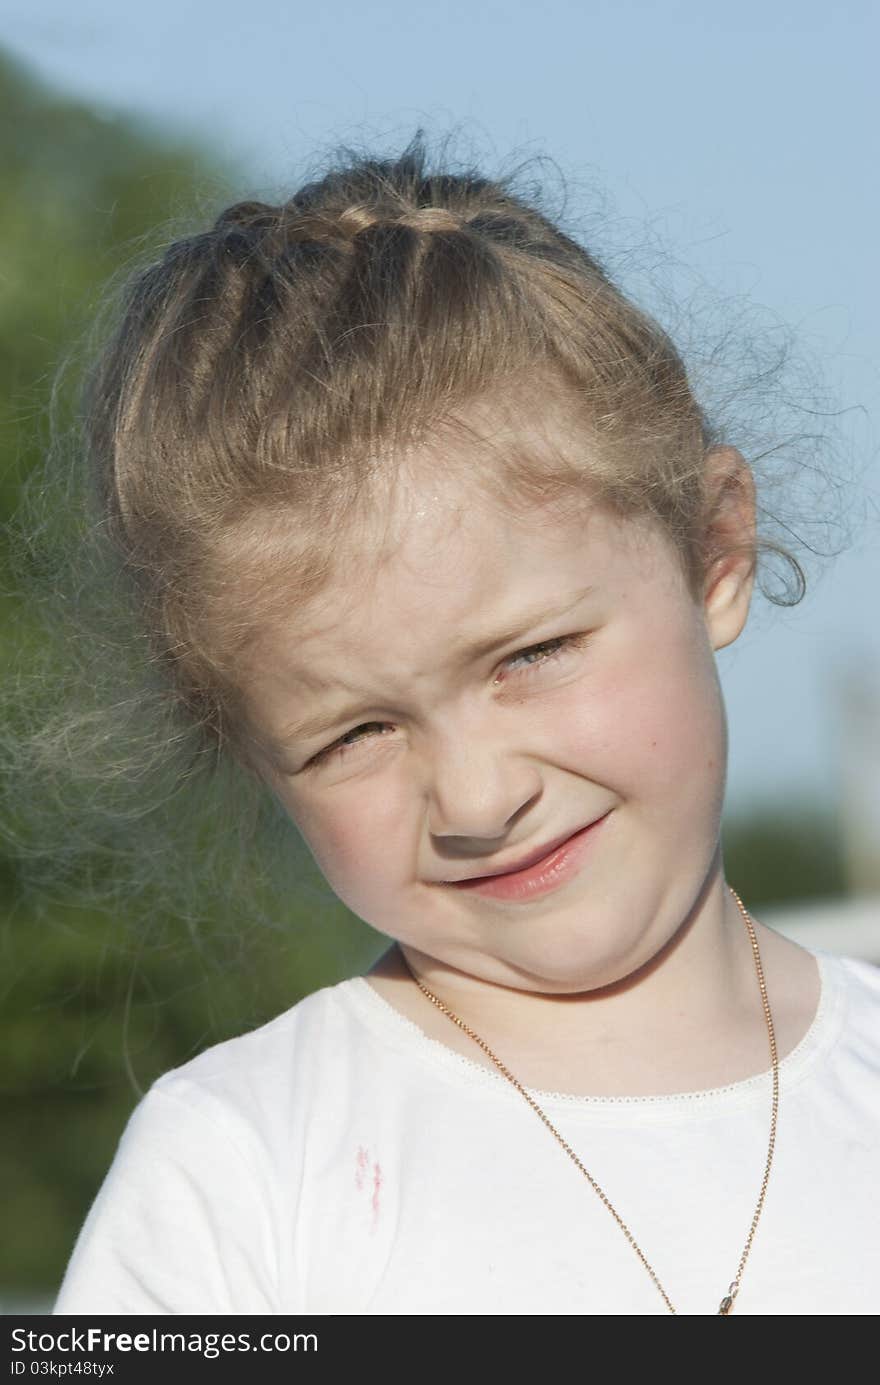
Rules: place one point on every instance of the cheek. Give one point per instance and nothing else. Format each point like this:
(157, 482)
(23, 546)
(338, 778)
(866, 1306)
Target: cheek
(689, 738)
(351, 834)
(651, 720)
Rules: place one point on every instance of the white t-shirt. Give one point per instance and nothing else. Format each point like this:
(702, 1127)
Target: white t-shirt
(338, 1161)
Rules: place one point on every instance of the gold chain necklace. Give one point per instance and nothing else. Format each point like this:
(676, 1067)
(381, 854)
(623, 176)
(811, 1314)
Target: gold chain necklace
(726, 1304)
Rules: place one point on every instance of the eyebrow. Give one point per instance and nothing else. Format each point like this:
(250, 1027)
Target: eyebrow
(468, 652)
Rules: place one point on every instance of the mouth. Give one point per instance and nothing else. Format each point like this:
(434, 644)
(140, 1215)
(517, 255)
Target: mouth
(533, 866)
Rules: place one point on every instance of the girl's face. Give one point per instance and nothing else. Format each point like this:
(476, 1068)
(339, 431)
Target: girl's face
(490, 687)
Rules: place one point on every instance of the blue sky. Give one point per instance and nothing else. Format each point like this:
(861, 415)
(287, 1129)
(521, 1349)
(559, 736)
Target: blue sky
(733, 146)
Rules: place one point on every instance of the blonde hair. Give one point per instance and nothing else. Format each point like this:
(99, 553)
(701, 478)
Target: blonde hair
(265, 377)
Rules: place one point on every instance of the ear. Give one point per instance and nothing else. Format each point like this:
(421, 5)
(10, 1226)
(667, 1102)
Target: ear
(730, 511)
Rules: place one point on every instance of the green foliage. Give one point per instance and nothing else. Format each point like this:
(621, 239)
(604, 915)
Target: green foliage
(79, 192)
(784, 853)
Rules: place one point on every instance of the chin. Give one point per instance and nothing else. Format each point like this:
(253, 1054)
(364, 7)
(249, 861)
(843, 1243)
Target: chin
(570, 968)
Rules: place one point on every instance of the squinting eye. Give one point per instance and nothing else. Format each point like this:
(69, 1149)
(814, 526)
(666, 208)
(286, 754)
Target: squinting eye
(537, 655)
(344, 745)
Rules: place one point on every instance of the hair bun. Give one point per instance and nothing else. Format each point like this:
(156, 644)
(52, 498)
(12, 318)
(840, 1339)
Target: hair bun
(248, 215)
(352, 220)
(359, 217)
(431, 219)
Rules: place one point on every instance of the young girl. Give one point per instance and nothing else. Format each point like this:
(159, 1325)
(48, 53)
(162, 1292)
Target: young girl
(432, 537)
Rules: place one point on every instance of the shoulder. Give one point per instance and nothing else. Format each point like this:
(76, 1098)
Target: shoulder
(857, 979)
(859, 984)
(245, 1086)
(190, 1217)
(270, 1043)
(851, 1020)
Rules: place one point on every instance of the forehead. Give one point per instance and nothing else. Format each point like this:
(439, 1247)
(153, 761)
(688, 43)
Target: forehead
(445, 564)
(492, 479)
(438, 555)
(453, 536)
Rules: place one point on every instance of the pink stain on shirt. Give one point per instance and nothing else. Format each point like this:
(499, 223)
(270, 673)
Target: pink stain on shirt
(361, 1166)
(377, 1184)
(362, 1158)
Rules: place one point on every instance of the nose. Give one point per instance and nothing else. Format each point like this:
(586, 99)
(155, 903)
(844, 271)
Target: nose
(477, 787)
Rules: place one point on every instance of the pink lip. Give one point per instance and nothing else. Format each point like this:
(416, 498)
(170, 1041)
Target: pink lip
(540, 876)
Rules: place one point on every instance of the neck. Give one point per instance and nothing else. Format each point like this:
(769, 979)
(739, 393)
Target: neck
(706, 971)
(690, 1018)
